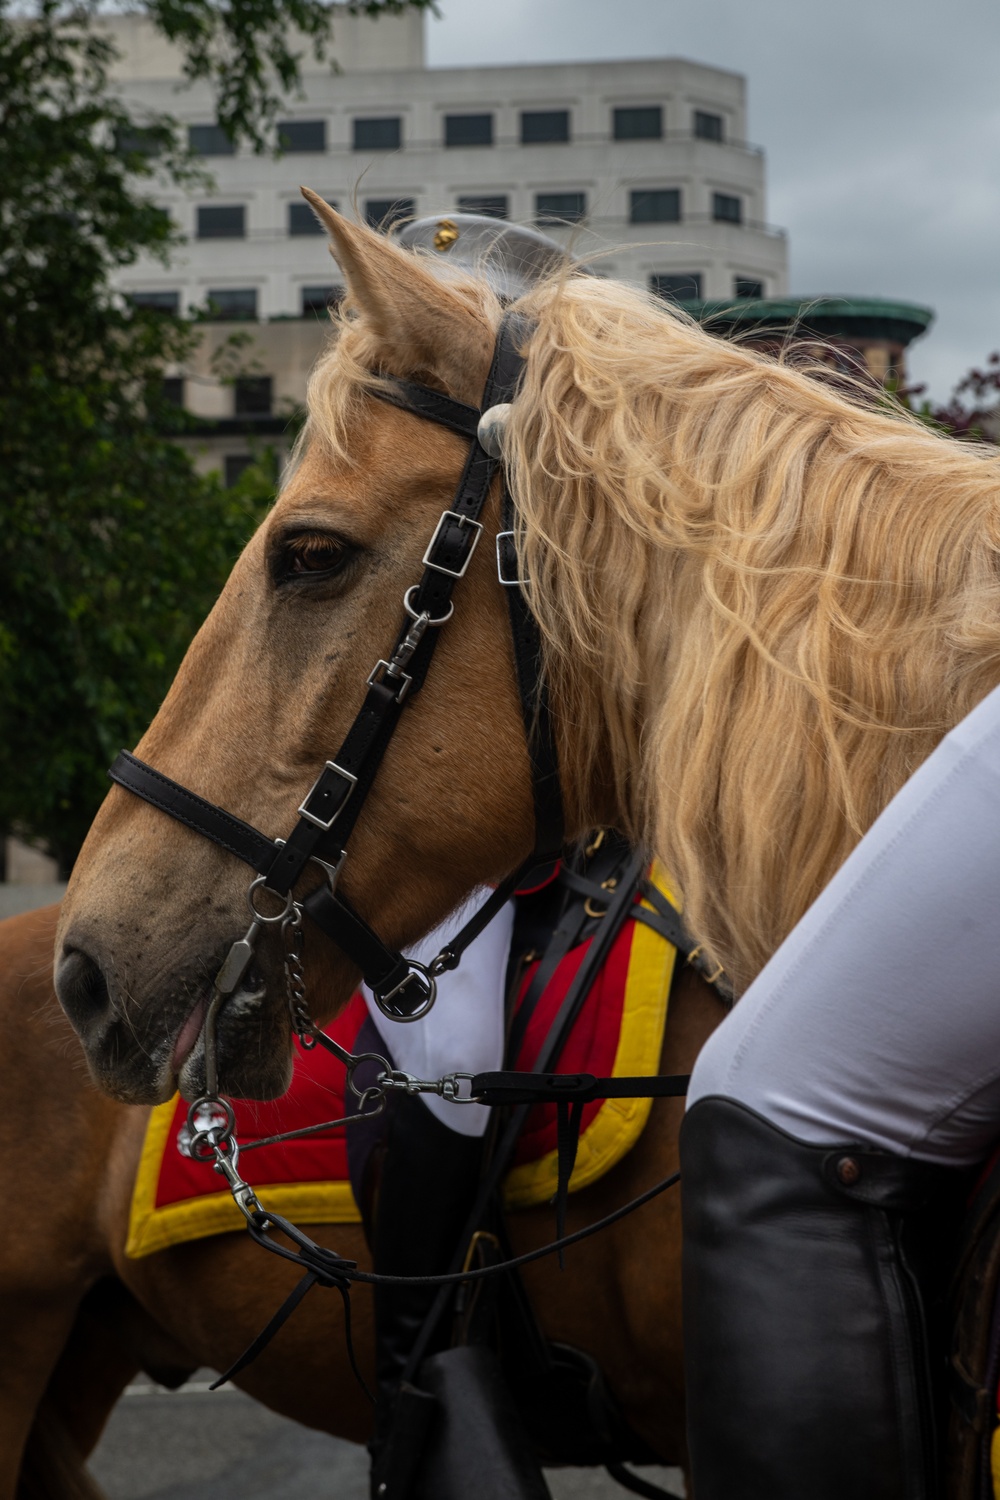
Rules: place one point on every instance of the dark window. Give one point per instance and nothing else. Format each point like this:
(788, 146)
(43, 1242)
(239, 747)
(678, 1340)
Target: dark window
(560, 208)
(495, 205)
(542, 125)
(468, 130)
(676, 286)
(745, 286)
(708, 127)
(229, 304)
(383, 213)
(173, 390)
(229, 223)
(302, 135)
(378, 135)
(654, 206)
(210, 140)
(236, 465)
(134, 138)
(726, 209)
(642, 124)
(302, 220)
(163, 302)
(252, 395)
(316, 299)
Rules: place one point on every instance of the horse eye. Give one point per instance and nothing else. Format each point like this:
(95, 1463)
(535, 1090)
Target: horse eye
(313, 555)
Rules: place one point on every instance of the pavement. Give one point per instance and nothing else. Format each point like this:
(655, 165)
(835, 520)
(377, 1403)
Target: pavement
(194, 1444)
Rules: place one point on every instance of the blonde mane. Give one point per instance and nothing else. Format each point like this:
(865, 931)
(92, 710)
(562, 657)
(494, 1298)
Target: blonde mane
(762, 605)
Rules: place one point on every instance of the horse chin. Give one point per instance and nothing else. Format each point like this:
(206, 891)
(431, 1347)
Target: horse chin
(254, 1047)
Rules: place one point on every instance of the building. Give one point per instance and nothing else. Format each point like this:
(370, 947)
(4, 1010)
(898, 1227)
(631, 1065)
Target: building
(642, 167)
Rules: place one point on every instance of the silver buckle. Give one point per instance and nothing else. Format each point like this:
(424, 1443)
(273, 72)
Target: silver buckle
(331, 765)
(452, 515)
(508, 583)
(403, 678)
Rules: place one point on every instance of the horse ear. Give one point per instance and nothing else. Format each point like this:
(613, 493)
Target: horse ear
(411, 312)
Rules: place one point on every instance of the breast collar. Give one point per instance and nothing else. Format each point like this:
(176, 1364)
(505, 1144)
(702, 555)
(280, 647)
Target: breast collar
(403, 989)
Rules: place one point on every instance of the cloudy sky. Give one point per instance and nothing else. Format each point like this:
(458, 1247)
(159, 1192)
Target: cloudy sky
(881, 123)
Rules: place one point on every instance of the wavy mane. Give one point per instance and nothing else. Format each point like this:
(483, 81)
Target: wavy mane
(762, 604)
(765, 604)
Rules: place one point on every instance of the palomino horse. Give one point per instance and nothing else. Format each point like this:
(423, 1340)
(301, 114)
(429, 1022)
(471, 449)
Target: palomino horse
(80, 1319)
(761, 607)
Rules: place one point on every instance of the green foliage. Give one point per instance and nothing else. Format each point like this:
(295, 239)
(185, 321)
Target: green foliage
(112, 546)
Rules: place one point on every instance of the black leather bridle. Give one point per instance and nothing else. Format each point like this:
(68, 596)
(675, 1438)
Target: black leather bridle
(330, 810)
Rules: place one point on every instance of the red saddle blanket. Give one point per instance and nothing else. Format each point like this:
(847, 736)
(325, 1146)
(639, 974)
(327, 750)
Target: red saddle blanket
(619, 1032)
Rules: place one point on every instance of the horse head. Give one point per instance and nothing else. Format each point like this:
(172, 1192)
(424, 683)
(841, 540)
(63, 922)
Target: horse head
(271, 684)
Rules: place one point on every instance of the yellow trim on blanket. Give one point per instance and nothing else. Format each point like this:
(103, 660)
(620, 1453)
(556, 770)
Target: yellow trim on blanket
(618, 1123)
(151, 1228)
(613, 1131)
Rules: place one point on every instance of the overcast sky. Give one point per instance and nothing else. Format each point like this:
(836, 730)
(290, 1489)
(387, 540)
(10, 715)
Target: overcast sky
(881, 124)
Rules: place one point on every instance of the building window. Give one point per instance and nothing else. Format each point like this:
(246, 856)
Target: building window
(560, 208)
(676, 286)
(252, 395)
(302, 135)
(746, 286)
(644, 123)
(161, 302)
(302, 220)
(468, 130)
(494, 205)
(544, 126)
(378, 135)
(232, 304)
(135, 139)
(229, 223)
(654, 206)
(172, 390)
(708, 127)
(383, 213)
(317, 300)
(726, 209)
(210, 140)
(236, 465)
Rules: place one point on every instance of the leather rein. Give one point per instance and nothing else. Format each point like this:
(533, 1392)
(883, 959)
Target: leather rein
(404, 989)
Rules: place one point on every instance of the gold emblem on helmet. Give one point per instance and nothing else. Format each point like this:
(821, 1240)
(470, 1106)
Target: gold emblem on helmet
(445, 235)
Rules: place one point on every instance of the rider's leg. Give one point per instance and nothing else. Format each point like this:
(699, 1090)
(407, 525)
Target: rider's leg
(875, 1026)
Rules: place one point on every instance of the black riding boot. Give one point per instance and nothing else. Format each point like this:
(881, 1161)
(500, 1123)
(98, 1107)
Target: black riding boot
(429, 1180)
(808, 1359)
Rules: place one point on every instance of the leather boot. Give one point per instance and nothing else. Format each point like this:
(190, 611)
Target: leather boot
(811, 1363)
(429, 1180)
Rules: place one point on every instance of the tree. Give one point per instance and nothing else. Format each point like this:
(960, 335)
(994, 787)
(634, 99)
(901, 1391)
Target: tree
(973, 408)
(112, 546)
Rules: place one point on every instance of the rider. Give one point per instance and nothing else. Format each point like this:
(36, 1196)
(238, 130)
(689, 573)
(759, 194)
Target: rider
(832, 1121)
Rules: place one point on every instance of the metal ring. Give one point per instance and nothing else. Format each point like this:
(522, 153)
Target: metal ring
(423, 613)
(199, 1137)
(259, 916)
(355, 1063)
(417, 971)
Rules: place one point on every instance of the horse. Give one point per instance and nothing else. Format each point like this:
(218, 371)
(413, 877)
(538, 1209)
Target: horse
(80, 1318)
(760, 604)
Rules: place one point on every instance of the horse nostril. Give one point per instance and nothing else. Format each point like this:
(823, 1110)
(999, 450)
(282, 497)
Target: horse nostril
(82, 990)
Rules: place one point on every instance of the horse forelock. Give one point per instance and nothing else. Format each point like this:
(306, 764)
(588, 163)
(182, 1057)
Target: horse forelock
(762, 602)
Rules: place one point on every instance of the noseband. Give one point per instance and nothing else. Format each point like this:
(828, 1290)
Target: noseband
(403, 989)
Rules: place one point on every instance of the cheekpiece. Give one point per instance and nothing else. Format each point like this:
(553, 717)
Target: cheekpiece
(511, 257)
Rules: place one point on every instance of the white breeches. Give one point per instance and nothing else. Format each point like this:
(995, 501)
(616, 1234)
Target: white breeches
(464, 1029)
(878, 1019)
